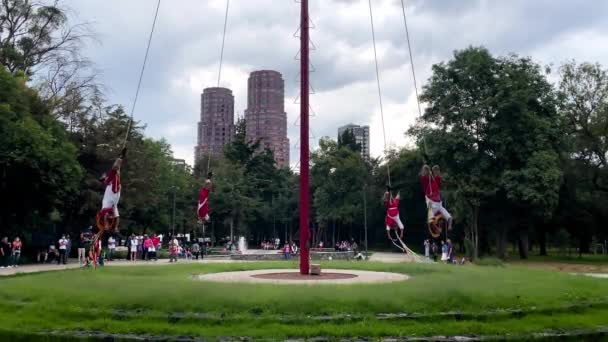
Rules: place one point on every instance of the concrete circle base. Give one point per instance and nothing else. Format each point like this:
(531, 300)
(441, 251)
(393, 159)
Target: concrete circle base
(286, 276)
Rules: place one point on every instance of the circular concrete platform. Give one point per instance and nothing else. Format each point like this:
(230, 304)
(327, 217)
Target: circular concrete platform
(282, 276)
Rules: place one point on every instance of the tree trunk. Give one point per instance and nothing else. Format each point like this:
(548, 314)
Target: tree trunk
(475, 232)
(333, 233)
(542, 241)
(231, 229)
(523, 244)
(501, 242)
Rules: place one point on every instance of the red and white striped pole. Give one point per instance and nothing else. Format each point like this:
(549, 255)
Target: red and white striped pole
(304, 152)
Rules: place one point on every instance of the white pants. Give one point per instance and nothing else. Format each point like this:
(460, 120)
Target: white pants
(110, 200)
(397, 219)
(437, 207)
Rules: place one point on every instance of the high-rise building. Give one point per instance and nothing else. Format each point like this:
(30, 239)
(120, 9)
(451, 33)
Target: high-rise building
(216, 127)
(265, 115)
(361, 134)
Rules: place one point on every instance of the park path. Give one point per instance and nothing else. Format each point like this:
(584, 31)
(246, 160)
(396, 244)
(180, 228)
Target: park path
(73, 263)
(35, 268)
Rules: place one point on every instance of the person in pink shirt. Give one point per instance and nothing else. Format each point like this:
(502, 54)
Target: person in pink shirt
(148, 247)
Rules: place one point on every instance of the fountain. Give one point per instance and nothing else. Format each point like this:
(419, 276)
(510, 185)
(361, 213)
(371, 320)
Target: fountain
(242, 245)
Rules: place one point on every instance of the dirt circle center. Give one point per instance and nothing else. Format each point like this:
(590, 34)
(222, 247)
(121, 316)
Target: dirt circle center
(286, 276)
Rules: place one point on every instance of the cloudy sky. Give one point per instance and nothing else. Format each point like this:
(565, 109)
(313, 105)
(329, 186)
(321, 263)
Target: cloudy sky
(186, 46)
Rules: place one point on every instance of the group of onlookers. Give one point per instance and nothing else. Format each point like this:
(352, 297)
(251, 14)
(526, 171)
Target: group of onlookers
(268, 245)
(10, 252)
(289, 249)
(446, 253)
(345, 246)
(144, 247)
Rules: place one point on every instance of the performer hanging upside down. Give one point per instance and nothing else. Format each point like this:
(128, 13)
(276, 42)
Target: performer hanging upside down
(431, 183)
(203, 200)
(392, 219)
(111, 196)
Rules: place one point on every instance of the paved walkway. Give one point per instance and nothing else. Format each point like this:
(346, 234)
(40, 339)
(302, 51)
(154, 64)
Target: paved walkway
(34, 268)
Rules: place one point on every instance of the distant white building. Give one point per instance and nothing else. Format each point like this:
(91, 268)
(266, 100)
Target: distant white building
(361, 134)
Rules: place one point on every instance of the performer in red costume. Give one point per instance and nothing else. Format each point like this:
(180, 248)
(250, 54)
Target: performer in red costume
(111, 196)
(431, 183)
(392, 219)
(203, 201)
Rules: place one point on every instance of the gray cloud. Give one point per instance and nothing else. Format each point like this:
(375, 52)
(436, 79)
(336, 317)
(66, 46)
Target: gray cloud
(185, 52)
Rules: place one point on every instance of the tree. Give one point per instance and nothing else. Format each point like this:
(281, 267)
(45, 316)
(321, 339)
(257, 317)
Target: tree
(493, 123)
(583, 95)
(38, 164)
(32, 35)
(338, 176)
(348, 139)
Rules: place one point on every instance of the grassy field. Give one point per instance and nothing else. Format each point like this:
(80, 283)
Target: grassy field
(438, 300)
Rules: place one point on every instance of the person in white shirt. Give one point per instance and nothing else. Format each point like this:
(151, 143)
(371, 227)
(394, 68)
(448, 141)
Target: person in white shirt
(173, 249)
(111, 247)
(133, 247)
(63, 245)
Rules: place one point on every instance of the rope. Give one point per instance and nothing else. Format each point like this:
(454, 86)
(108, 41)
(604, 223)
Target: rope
(409, 47)
(219, 73)
(371, 18)
(141, 74)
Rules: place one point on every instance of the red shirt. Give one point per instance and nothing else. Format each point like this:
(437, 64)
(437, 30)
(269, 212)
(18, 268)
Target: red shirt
(156, 240)
(203, 202)
(432, 187)
(113, 178)
(392, 207)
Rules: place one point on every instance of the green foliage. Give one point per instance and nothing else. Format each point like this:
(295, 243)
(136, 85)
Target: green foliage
(250, 194)
(493, 124)
(38, 163)
(348, 139)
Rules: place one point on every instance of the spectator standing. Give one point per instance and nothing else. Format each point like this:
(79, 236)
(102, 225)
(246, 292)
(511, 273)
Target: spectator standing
(5, 253)
(68, 249)
(196, 250)
(444, 251)
(82, 250)
(294, 248)
(152, 250)
(140, 247)
(147, 245)
(434, 250)
(427, 248)
(156, 243)
(133, 247)
(111, 247)
(287, 251)
(16, 251)
(63, 245)
(450, 251)
(173, 249)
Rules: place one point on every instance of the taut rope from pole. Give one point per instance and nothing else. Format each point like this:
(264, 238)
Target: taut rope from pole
(219, 73)
(141, 74)
(409, 47)
(371, 18)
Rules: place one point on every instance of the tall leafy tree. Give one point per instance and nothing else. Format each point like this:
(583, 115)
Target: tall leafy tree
(492, 122)
(38, 166)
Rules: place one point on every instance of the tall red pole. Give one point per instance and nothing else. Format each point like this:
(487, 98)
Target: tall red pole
(304, 185)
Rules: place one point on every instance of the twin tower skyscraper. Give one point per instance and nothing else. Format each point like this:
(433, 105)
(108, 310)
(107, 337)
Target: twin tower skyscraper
(265, 117)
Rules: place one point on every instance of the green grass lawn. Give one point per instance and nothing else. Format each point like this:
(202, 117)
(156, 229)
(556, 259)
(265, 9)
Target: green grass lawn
(166, 300)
